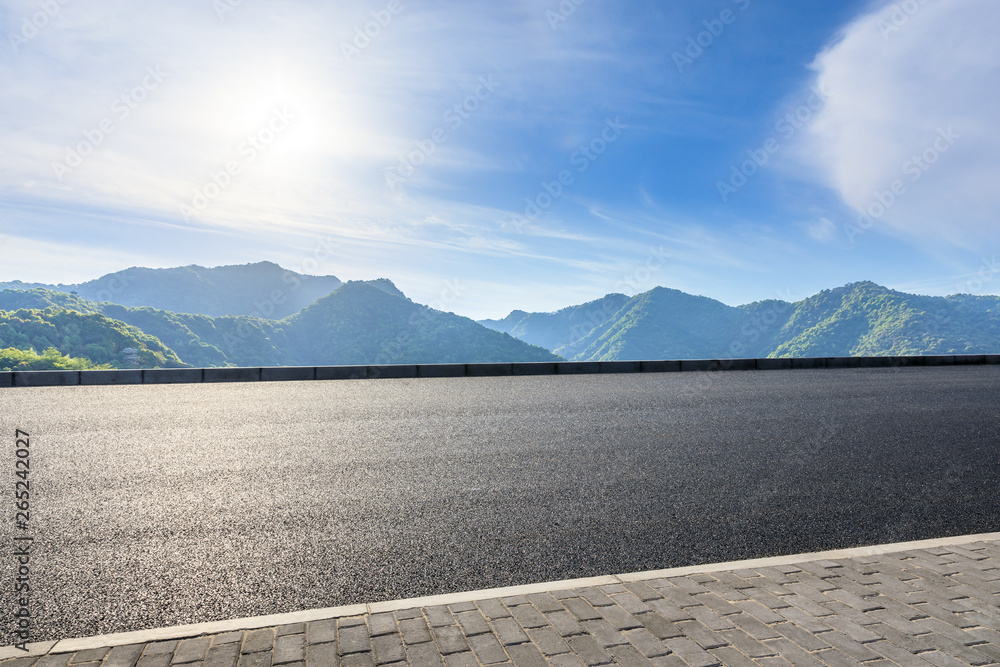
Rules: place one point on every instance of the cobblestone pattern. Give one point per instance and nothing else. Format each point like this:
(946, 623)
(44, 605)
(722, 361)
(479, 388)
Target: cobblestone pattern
(936, 606)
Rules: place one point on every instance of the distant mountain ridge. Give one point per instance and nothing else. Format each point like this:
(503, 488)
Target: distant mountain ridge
(858, 319)
(358, 323)
(263, 289)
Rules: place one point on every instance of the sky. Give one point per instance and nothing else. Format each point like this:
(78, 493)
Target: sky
(526, 154)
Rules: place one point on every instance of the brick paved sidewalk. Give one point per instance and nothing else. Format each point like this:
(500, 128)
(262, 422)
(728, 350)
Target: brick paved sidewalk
(938, 605)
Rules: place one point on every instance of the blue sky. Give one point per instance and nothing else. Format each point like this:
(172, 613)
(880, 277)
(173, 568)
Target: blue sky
(526, 154)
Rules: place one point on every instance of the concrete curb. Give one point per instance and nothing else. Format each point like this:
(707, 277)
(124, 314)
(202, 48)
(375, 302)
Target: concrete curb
(400, 371)
(219, 627)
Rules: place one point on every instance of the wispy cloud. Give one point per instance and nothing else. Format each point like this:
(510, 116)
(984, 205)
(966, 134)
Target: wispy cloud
(909, 135)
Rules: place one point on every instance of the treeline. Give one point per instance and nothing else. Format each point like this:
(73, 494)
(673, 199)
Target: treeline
(70, 337)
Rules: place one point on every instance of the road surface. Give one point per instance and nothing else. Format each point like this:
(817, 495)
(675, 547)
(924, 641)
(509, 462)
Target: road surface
(165, 505)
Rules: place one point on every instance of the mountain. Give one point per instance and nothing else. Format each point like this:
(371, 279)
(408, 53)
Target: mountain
(89, 336)
(362, 323)
(555, 330)
(358, 323)
(263, 289)
(859, 319)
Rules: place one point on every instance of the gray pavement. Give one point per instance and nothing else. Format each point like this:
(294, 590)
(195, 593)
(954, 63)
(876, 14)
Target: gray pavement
(936, 603)
(157, 506)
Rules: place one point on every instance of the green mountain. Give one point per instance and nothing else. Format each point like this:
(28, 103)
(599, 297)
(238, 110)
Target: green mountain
(860, 319)
(263, 289)
(358, 323)
(99, 340)
(564, 327)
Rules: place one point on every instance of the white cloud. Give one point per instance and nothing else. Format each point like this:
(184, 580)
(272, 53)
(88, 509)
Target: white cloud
(901, 79)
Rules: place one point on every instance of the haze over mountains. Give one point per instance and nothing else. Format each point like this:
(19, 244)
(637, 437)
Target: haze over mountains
(253, 315)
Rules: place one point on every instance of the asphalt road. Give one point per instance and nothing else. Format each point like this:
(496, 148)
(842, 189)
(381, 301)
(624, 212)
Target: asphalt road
(164, 505)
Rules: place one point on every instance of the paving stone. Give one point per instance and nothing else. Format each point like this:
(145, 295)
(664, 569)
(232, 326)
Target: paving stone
(415, 631)
(461, 606)
(670, 611)
(360, 660)
(565, 623)
(290, 629)
(257, 641)
(834, 658)
(671, 660)
(487, 649)
(938, 627)
(628, 656)
(990, 650)
(716, 604)
(678, 597)
(688, 585)
(473, 623)
(709, 618)
(321, 655)
(423, 655)
(565, 660)
(691, 653)
(191, 650)
(901, 639)
(564, 593)
(730, 580)
(321, 632)
(807, 639)
(449, 639)
(19, 662)
(57, 660)
(604, 633)
(754, 627)
(793, 653)
(123, 656)
(90, 655)
(659, 626)
(545, 603)
(228, 638)
(581, 609)
(528, 617)
(382, 624)
(467, 659)
(526, 655)
(646, 642)
(589, 650)
(730, 657)
(514, 600)
(353, 639)
(289, 649)
(155, 660)
(799, 618)
(725, 592)
(548, 641)
(259, 659)
(759, 611)
(439, 615)
(223, 655)
(897, 654)
(858, 618)
(946, 616)
(631, 603)
(388, 649)
(851, 629)
(942, 660)
(618, 617)
(844, 644)
(641, 591)
(611, 589)
(159, 648)
(493, 609)
(745, 643)
(852, 600)
(702, 635)
(508, 631)
(957, 650)
(404, 614)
